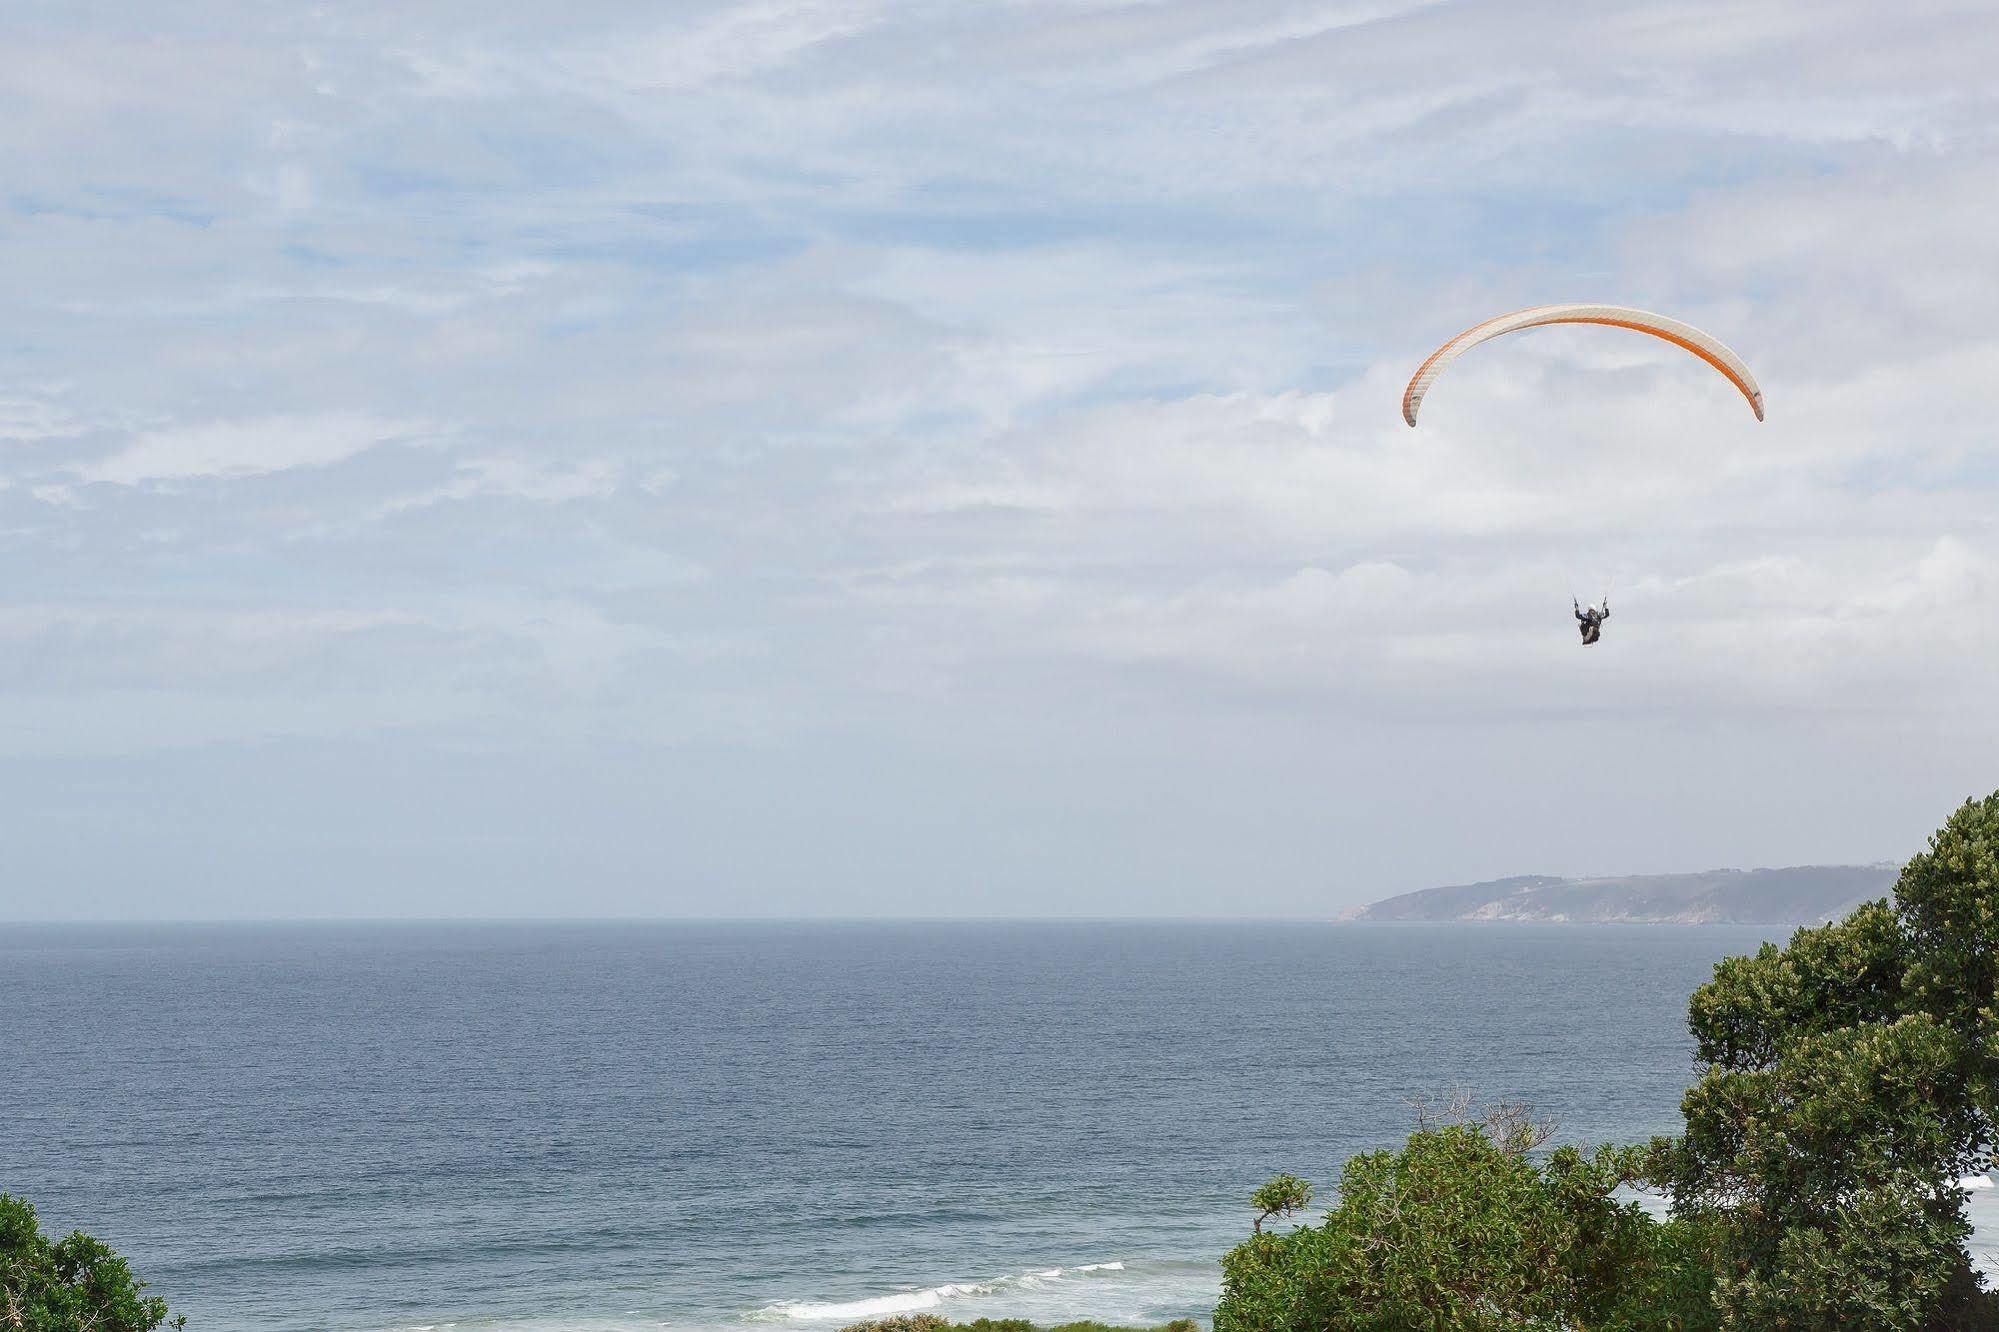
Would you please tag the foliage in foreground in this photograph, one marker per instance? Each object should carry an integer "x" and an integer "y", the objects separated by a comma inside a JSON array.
[
  {"x": 1285, "y": 1195},
  {"x": 1845, "y": 1082},
  {"x": 1461, "y": 1230},
  {"x": 69, "y": 1285}
]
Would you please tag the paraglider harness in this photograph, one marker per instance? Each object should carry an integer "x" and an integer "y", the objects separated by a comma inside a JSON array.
[{"x": 1591, "y": 620}]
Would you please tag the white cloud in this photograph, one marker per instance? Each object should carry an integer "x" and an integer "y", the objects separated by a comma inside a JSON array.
[
  {"x": 1008, "y": 378},
  {"x": 226, "y": 449},
  {"x": 519, "y": 478},
  {"x": 737, "y": 42},
  {"x": 31, "y": 419}
]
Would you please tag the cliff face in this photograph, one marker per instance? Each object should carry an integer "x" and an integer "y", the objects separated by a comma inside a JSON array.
[{"x": 1804, "y": 895}]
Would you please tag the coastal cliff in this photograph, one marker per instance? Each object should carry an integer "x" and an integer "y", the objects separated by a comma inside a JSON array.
[{"x": 1801, "y": 895}]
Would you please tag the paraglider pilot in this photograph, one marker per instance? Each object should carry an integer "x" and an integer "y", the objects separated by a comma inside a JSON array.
[{"x": 1590, "y": 621}]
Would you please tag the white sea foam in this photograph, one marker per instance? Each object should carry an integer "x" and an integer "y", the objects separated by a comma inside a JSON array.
[
  {"x": 584, "y": 1323},
  {"x": 916, "y": 1301},
  {"x": 879, "y": 1306},
  {"x": 1103, "y": 1290}
]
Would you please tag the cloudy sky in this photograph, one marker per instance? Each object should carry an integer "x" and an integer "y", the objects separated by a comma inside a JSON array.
[{"x": 845, "y": 457}]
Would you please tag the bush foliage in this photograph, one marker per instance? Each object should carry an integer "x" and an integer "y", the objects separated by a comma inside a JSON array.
[
  {"x": 69, "y": 1285},
  {"x": 1844, "y": 1083},
  {"x": 1461, "y": 1230}
]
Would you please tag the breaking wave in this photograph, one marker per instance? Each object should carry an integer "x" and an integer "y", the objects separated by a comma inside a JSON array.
[{"x": 916, "y": 1301}]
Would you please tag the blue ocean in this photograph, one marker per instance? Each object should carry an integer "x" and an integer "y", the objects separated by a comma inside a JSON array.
[{"x": 608, "y": 1126}]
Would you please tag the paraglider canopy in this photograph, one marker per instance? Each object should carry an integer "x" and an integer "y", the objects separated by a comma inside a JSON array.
[{"x": 1708, "y": 348}]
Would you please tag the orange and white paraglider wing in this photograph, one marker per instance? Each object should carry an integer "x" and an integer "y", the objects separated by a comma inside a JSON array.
[{"x": 1709, "y": 348}]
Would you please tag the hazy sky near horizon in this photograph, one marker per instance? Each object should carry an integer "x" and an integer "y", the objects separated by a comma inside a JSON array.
[{"x": 846, "y": 457}]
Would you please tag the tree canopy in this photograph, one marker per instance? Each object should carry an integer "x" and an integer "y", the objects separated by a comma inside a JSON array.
[
  {"x": 1844, "y": 1083},
  {"x": 70, "y": 1285},
  {"x": 1461, "y": 1230}
]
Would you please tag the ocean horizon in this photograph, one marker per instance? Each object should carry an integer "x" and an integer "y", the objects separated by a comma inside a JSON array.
[{"x": 608, "y": 1125}]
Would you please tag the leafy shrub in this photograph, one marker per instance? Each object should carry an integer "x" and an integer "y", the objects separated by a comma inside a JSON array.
[
  {"x": 1460, "y": 1230},
  {"x": 1845, "y": 1082},
  {"x": 70, "y": 1285}
]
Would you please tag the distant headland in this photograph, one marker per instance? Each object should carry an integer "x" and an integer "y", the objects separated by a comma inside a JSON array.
[{"x": 1801, "y": 895}]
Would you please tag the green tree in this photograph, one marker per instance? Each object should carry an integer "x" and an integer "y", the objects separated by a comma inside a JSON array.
[
  {"x": 70, "y": 1285},
  {"x": 1284, "y": 1195},
  {"x": 1846, "y": 1081},
  {"x": 1460, "y": 1231}
]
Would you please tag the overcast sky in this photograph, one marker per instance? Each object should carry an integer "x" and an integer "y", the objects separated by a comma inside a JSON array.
[{"x": 862, "y": 458}]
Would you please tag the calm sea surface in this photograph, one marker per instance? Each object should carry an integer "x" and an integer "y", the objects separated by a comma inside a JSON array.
[{"x": 609, "y": 1126}]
